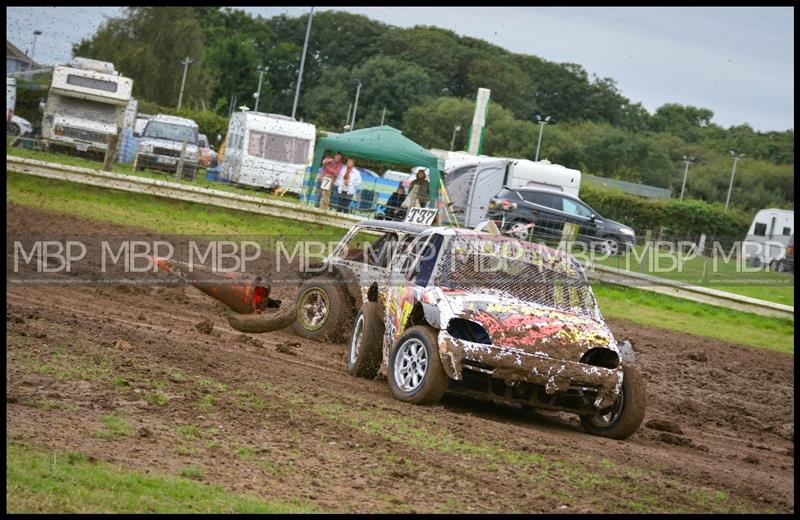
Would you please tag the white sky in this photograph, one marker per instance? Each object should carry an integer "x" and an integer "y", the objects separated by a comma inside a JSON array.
[{"x": 737, "y": 61}]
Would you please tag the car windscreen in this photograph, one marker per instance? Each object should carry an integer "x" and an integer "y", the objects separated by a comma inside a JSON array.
[
  {"x": 523, "y": 271},
  {"x": 171, "y": 132}
]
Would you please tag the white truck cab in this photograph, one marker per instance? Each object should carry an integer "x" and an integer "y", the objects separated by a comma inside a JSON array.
[{"x": 86, "y": 105}]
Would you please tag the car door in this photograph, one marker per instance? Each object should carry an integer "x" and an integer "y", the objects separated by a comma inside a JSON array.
[
  {"x": 576, "y": 212},
  {"x": 411, "y": 272},
  {"x": 544, "y": 211}
]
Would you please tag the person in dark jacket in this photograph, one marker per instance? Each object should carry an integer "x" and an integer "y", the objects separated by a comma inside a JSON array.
[{"x": 393, "y": 209}]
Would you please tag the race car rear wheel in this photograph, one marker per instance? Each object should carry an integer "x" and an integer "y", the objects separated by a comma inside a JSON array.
[
  {"x": 415, "y": 369},
  {"x": 322, "y": 310},
  {"x": 627, "y": 413},
  {"x": 366, "y": 343}
]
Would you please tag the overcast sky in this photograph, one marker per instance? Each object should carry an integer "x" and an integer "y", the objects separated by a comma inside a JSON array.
[{"x": 737, "y": 61}]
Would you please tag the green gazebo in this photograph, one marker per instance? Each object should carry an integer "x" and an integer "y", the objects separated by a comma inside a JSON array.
[{"x": 381, "y": 143}]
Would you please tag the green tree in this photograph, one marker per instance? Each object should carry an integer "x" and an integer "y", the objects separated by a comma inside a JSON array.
[{"x": 147, "y": 44}]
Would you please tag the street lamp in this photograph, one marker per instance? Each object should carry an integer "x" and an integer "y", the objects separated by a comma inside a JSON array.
[
  {"x": 185, "y": 62},
  {"x": 687, "y": 161},
  {"x": 33, "y": 47},
  {"x": 355, "y": 105},
  {"x": 302, "y": 64},
  {"x": 735, "y": 158},
  {"x": 261, "y": 71},
  {"x": 542, "y": 122},
  {"x": 456, "y": 129}
]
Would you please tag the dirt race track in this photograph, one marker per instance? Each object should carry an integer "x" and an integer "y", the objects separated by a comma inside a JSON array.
[{"x": 259, "y": 416}]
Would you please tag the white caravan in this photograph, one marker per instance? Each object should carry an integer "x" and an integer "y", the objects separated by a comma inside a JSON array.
[
  {"x": 87, "y": 104},
  {"x": 768, "y": 236},
  {"x": 521, "y": 172},
  {"x": 268, "y": 151}
]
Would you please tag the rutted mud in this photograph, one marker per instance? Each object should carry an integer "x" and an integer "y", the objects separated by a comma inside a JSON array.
[{"x": 278, "y": 416}]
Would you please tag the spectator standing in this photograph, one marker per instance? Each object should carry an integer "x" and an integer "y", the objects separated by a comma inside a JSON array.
[
  {"x": 423, "y": 189},
  {"x": 331, "y": 167},
  {"x": 347, "y": 185}
]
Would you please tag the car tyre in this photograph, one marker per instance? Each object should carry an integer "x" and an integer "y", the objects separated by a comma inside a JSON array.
[
  {"x": 366, "y": 342},
  {"x": 627, "y": 413},
  {"x": 13, "y": 130},
  {"x": 415, "y": 370},
  {"x": 321, "y": 310},
  {"x": 610, "y": 245}
]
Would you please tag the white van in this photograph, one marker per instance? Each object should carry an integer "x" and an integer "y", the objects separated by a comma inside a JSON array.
[
  {"x": 86, "y": 104},
  {"x": 522, "y": 172},
  {"x": 768, "y": 236},
  {"x": 268, "y": 151}
]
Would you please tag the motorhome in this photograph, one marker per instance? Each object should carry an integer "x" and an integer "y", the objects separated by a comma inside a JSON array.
[
  {"x": 268, "y": 151},
  {"x": 768, "y": 236},
  {"x": 86, "y": 105}
]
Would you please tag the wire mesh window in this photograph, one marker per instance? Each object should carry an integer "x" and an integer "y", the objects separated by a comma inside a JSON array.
[
  {"x": 279, "y": 148},
  {"x": 522, "y": 271}
]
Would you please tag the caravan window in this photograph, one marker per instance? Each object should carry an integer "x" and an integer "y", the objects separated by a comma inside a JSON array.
[
  {"x": 281, "y": 148},
  {"x": 787, "y": 231},
  {"x": 760, "y": 229}
]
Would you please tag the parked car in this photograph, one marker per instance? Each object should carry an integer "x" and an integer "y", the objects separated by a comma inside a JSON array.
[
  {"x": 785, "y": 263},
  {"x": 18, "y": 126},
  {"x": 208, "y": 157},
  {"x": 548, "y": 210},
  {"x": 466, "y": 313},
  {"x": 162, "y": 141}
]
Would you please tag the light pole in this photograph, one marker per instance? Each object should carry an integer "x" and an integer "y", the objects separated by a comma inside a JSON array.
[
  {"x": 261, "y": 71},
  {"x": 456, "y": 129},
  {"x": 687, "y": 161},
  {"x": 185, "y": 62},
  {"x": 735, "y": 158},
  {"x": 33, "y": 47},
  {"x": 542, "y": 122},
  {"x": 383, "y": 116},
  {"x": 302, "y": 64},
  {"x": 355, "y": 105}
]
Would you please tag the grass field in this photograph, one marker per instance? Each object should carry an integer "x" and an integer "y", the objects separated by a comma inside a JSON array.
[
  {"x": 167, "y": 216},
  {"x": 46, "y": 481},
  {"x": 127, "y": 169},
  {"x": 727, "y": 276}
]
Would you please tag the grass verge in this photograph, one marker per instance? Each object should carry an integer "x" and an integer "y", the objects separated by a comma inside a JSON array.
[
  {"x": 45, "y": 481},
  {"x": 668, "y": 312}
]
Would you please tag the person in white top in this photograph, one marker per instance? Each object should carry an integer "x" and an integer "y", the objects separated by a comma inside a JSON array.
[{"x": 346, "y": 185}]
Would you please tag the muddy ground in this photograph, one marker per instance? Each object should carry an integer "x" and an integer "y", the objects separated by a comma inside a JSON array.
[{"x": 278, "y": 417}]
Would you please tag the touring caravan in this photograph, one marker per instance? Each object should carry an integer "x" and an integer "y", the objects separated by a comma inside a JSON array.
[
  {"x": 268, "y": 151},
  {"x": 768, "y": 236},
  {"x": 521, "y": 172},
  {"x": 87, "y": 103}
]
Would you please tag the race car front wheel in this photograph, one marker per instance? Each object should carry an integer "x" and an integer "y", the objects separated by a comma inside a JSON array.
[
  {"x": 366, "y": 343},
  {"x": 627, "y": 412},
  {"x": 415, "y": 369}
]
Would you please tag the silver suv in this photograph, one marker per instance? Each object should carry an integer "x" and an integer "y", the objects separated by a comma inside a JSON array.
[{"x": 162, "y": 141}]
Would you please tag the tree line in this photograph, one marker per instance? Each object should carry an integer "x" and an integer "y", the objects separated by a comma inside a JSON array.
[{"x": 423, "y": 80}]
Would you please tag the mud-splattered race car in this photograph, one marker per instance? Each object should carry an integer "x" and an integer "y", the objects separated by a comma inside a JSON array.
[{"x": 496, "y": 318}]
